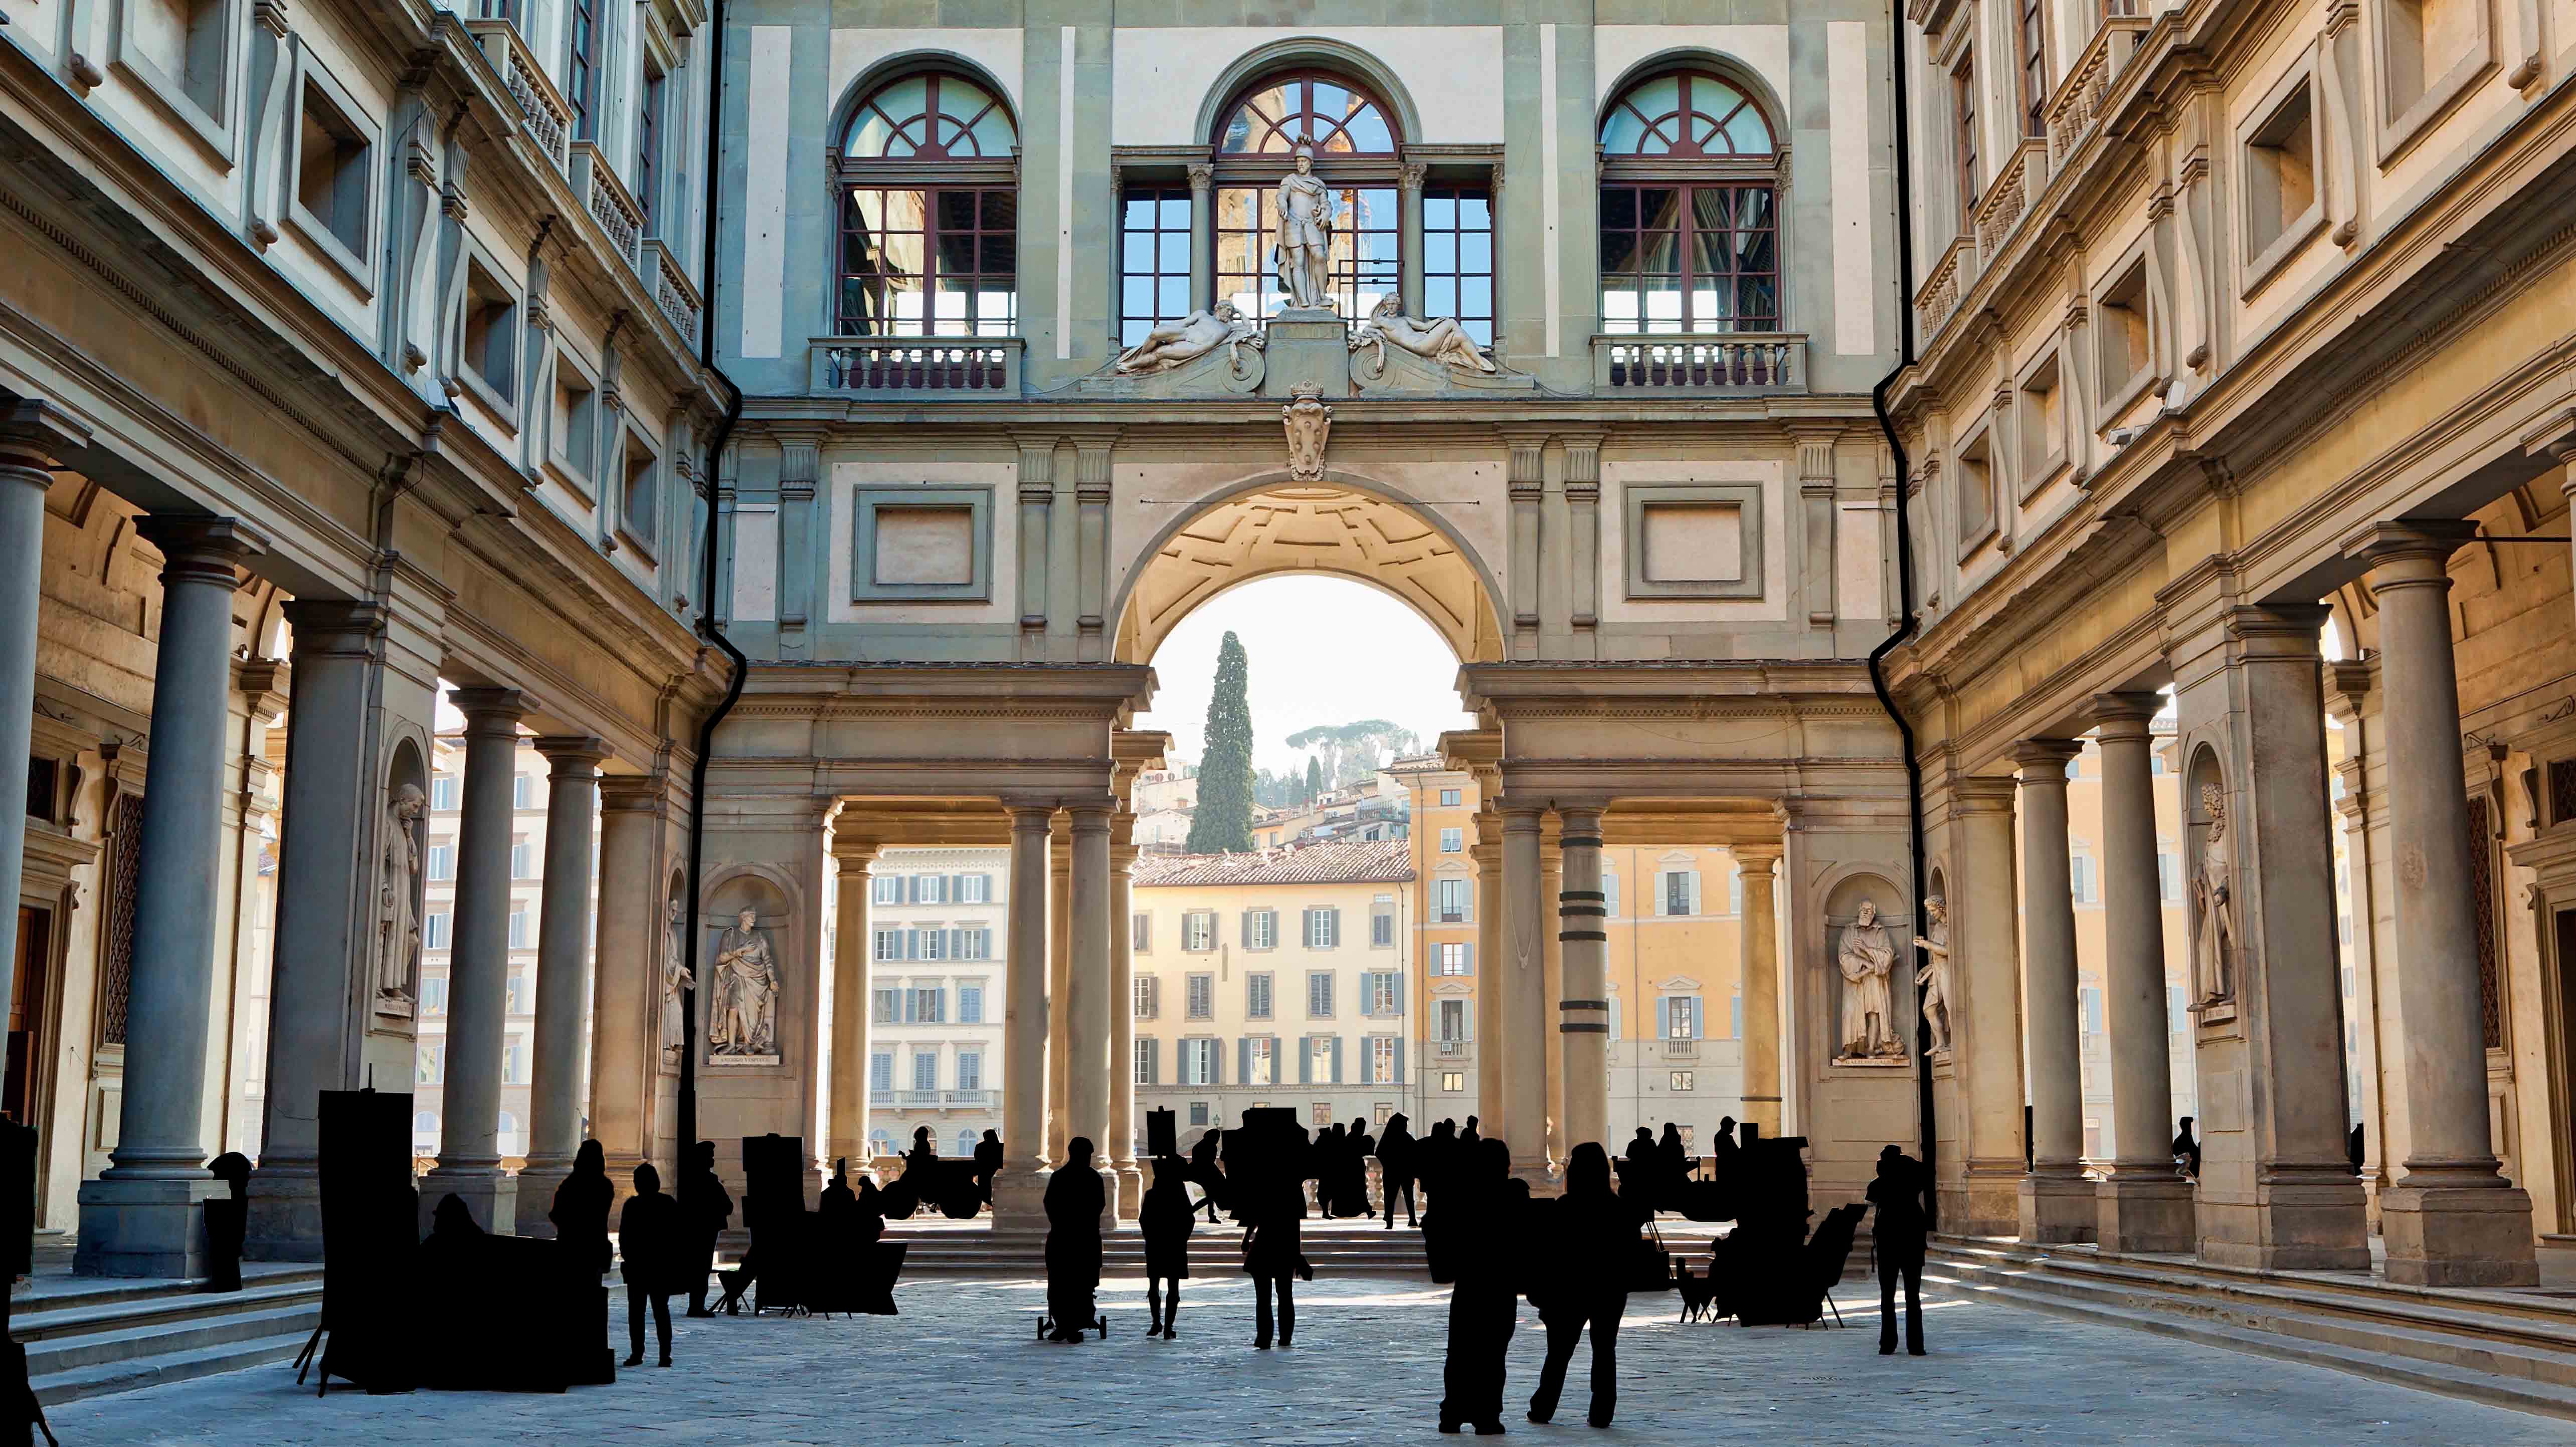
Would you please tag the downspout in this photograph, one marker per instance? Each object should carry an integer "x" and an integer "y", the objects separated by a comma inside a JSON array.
[
  {"x": 1929, "y": 1142},
  {"x": 707, "y": 626}
]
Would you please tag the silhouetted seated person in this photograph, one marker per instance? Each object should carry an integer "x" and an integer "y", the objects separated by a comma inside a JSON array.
[
  {"x": 1165, "y": 1218},
  {"x": 2186, "y": 1150},
  {"x": 652, "y": 1243},
  {"x": 953, "y": 1188},
  {"x": 1900, "y": 1224},
  {"x": 500, "y": 1312},
  {"x": 988, "y": 1164},
  {"x": 1471, "y": 1239},
  {"x": 1204, "y": 1172},
  {"x": 1591, "y": 1237},
  {"x": 1395, "y": 1165},
  {"x": 851, "y": 1268},
  {"x": 1073, "y": 1203},
  {"x": 227, "y": 1220},
  {"x": 705, "y": 1208}
]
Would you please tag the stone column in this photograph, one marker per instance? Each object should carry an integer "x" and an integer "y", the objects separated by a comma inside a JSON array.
[
  {"x": 1086, "y": 1001},
  {"x": 2452, "y": 1219},
  {"x": 1059, "y": 966},
  {"x": 635, "y": 936},
  {"x": 1122, "y": 1015},
  {"x": 1487, "y": 1033},
  {"x": 1408, "y": 207},
  {"x": 1585, "y": 1009},
  {"x": 1018, "y": 1191},
  {"x": 1551, "y": 985},
  {"x": 1202, "y": 237},
  {"x": 1985, "y": 1010},
  {"x": 2144, "y": 1204},
  {"x": 139, "y": 1217},
  {"x": 478, "y": 970},
  {"x": 853, "y": 997},
  {"x": 2351, "y": 690},
  {"x": 2057, "y": 1203},
  {"x": 328, "y": 839},
  {"x": 1759, "y": 950},
  {"x": 33, "y": 437},
  {"x": 557, "y": 1069},
  {"x": 1519, "y": 1113}
]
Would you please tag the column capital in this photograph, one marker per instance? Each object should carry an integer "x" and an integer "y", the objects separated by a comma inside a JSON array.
[
  {"x": 1983, "y": 794},
  {"x": 634, "y": 794},
  {"x": 200, "y": 545},
  {"x": 1755, "y": 859},
  {"x": 572, "y": 756},
  {"x": 2125, "y": 715},
  {"x": 1579, "y": 825},
  {"x": 2043, "y": 761},
  {"x": 36, "y": 436},
  {"x": 1520, "y": 818},
  {"x": 488, "y": 709},
  {"x": 2404, "y": 551},
  {"x": 327, "y": 624},
  {"x": 1088, "y": 818},
  {"x": 1028, "y": 814},
  {"x": 2295, "y": 631}
]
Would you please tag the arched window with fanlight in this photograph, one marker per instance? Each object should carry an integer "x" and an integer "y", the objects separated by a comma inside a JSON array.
[
  {"x": 927, "y": 169},
  {"x": 1689, "y": 208},
  {"x": 1358, "y": 157}
]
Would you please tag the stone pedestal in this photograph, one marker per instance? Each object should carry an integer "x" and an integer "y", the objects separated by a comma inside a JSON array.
[
  {"x": 145, "y": 1227},
  {"x": 2457, "y": 1235},
  {"x": 2144, "y": 1212},
  {"x": 1307, "y": 346},
  {"x": 2059, "y": 1206}
]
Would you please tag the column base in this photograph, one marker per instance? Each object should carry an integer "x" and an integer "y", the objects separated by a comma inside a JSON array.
[
  {"x": 489, "y": 1193},
  {"x": 2442, "y": 1235},
  {"x": 2141, "y": 1212},
  {"x": 2305, "y": 1222},
  {"x": 1984, "y": 1200},
  {"x": 537, "y": 1186},
  {"x": 285, "y": 1215},
  {"x": 144, "y": 1227},
  {"x": 2058, "y": 1208},
  {"x": 1019, "y": 1197},
  {"x": 1131, "y": 1189}
]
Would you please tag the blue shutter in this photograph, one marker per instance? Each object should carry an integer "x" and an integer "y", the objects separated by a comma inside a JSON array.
[
  {"x": 1663, "y": 1017},
  {"x": 1337, "y": 1060},
  {"x": 1243, "y": 1060},
  {"x": 1153, "y": 1071},
  {"x": 1399, "y": 1060},
  {"x": 1305, "y": 1062}
]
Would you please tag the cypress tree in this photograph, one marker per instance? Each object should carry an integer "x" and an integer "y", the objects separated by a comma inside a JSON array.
[
  {"x": 1223, "y": 821},
  {"x": 1314, "y": 779}
]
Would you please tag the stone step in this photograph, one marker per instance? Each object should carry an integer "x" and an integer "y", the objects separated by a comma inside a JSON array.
[
  {"x": 114, "y": 1344},
  {"x": 55, "y": 1320},
  {"x": 130, "y": 1373},
  {"x": 56, "y": 1292}
]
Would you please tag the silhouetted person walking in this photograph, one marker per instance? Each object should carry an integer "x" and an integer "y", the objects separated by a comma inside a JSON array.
[
  {"x": 2186, "y": 1150},
  {"x": 988, "y": 1164},
  {"x": 705, "y": 1208},
  {"x": 1900, "y": 1224},
  {"x": 580, "y": 1211},
  {"x": 654, "y": 1252},
  {"x": 1395, "y": 1166},
  {"x": 1165, "y": 1218},
  {"x": 1073, "y": 1203},
  {"x": 1274, "y": 1250},
  {"x": 1472, "y": 1216},
  {"x": 1203, "y": 1169},
  {"x": 1591, "y": 1233}
]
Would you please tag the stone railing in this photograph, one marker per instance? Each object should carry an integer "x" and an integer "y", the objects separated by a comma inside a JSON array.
[
  {"x": 1939, "y": 295},
  {"x": 2024, "y": 176},
  {"x": 2078, "y": 103},
  {"x": 1718, "y": 362},
  {"x": 605, "y": 197},
  {"x": 916, "y": 366},
  {"x": 1453, "y": 1047},
  {"x": 541, "y": 106},
  {"x": 1681, "y": 1049},
  {"x": 672, "y": 290}
]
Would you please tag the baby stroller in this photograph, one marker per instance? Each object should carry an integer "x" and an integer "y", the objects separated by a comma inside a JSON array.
[{"x": 1098, "y": 1323}]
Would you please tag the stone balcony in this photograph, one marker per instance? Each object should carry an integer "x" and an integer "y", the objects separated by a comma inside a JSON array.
[
  {"x": 913, "y": 368},
  {"x": 1712, "y": 364}
]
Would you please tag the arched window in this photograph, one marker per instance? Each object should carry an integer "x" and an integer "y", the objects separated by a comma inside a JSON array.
[
  {"x": 1357, "y": 157},
  {"x": 965, "y": 1142},
  {"x": 930, "y": 212},
  {"x": 1689, "y": 209}
]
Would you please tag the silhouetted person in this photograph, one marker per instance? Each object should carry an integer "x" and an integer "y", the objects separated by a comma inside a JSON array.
[
  {"x": 1473, "y": 1217},
  {"x": 1435, "y": 1160},
  {"x": 1395, "y": 1166},
  {"x": 988, "y": 1164},
  {"x": 1165, "y": 1218},
  {"x": 839, "y": 1205},
  {"x": 705, "y": 1208},
  {"x": 227, "y": 1220},
  {"x": 1361, "y": 1149},
  {"x": 652, "y": 1244},
  {"x": 1673, "y": 1158},
  {"x": 2186, "y": 1150},
  {"x": 1203, "y": 1169},
  {"x": 2353, "y": 1148},
  {"x": 1073, "y": 1203},
  {"x": 1900, "y": 1224},
  {"x": 1591, "y": 1232},
  {"x": 1641, "y": 1147},
  {"x": 1722, "y": 1150},
  {"x": 1467, "y": 1133},
  {"x": 580, "y": 1211},
  {"x": 18, "y": 1407},
  {"x": 1274, "y": 1251},
  {"x": 923, "y": 1147}
]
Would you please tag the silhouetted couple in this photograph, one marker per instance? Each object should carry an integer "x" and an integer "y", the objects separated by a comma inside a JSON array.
[{"x": 1901, "y": 1223}]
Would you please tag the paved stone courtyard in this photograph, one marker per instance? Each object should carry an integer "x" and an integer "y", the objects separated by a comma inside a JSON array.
[{"x": 959, "y": 1366}]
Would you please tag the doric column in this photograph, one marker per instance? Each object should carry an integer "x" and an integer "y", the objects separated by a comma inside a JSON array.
[
  {"x": 1086, "y": 1000},
  {"x": 139, "y": 1217},
  {"x": 853, "y": 998},
  {"x": 1122, "y": 1015},
  {"x": 1059, "y": 967},
  {"x": 2057, "y": 1203},
  {"x": 2144, "y": 1205},
  {"x": 1758, "y": 948},
  {"x": 1017, "y": 1193},
  {"x": 1408, "y": 208},
  {"x": 1584, "y": 1018},
  {"x": 478, "y": 970},
  {"x": 1551, "y": 983},
  {"x": 326, "y": 894},
  {"x": 563, "y": 977},
  {"x": 33, "y": 438},
  {"x": 1202, "y": 237},
  {"x": 2351, "y": 691},
  {"x": 1487, "y": 1034},
  {"x": 2452, "y": 1219},
  {"x": 1519, "y": 1113},
  {"x": 637, "y": 939},
  {"x": 1985, "y": 1015}
]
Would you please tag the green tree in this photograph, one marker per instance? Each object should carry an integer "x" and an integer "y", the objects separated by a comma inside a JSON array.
[
  {"x": 1314, "y": 779},
  {"x": 1223, "y": 821}
]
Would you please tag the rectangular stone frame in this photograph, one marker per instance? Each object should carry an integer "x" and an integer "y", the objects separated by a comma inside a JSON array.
[
  {"x": 1744, "y": 496},
  {"x": 865, "y": 500}
]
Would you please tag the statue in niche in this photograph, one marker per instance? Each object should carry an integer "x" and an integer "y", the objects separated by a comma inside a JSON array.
[
  {"x": 744, "y": 1019},
  {"x": 1934, "y": 977},
  {"x": 2213, "y": 898},
  {"x": 1869, "y": 1007},
  {"x": 1441, "y": 340},
  {"x": 1303, "y": 254},
  {"x": 675, "y": 978},
  {"x": 1309, "y": 423},
  {"x": 398, "y": 904},
  {"x": 1190, "y": 338}
]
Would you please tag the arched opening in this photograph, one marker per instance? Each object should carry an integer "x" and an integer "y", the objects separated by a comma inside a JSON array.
[
  {"x": 1353, "y": 142},
  {"x": 1690, "y": 205},
  {"x": 926, "y": 175}
]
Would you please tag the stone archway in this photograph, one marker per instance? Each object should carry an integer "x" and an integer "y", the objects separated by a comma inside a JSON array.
[{"x": 1334, "y": 527}]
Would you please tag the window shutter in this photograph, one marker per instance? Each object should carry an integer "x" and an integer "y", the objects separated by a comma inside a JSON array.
[
  {"x": 1247, "y": 929},
  {"x": 1471, "y": 956},
  {"x": 1305, "y": 1062},
  {"x": 1243, "y": 1060},
  {"x": 1397, "y": 1004},
  {"x": 1663, "y": 1016},
  {"x": 1337, "y": 1060},
  {"x": 1153, "y": 1066},
  {"x": 1399, "y": 1060},
  {"x": 1694, "y": 891}
]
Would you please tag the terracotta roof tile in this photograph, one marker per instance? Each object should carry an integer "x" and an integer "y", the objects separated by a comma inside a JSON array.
[{"x": 1355, "y": 861}]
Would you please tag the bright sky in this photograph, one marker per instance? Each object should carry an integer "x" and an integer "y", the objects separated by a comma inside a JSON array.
[{"x": 1322, "y": 651}]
